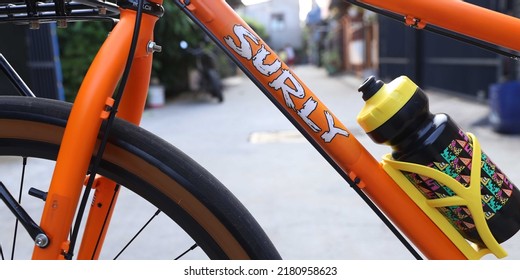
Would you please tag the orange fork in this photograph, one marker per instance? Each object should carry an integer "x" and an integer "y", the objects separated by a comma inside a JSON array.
[{"x": 83, "y": 126}]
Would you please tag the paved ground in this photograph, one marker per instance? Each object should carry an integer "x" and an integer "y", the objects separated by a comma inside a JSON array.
[{"x": 304, "y": 206}]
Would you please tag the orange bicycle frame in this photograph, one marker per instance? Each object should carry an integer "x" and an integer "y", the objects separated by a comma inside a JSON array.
[
  {"x": 460, "y": 17},
  {"x": 294, "y": 99}
]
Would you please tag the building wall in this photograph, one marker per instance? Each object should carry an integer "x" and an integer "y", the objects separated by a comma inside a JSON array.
[{"x": 281, "y": 20}]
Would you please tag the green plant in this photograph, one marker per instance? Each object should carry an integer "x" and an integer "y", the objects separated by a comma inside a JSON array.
[
  {"x": 331, "y": 60},
  {"x": 79, "y": 43},
  {"x": 173, "y": 28},
  {"x": 76, "y": 54}
]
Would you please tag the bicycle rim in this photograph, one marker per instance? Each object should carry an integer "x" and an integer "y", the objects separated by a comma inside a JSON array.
[{"x": 147, "y": 166}]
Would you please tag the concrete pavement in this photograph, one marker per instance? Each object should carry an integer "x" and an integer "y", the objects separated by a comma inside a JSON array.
[
  {"x": 303, "y": 204},
  {"x": 305, "y": 207}
]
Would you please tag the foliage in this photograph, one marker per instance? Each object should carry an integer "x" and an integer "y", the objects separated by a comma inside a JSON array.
[
  {"x": 79, "y": 43},
  {"x": 331, "y": 57},
  {"x": 171, "y": 65},
  {"x": 331, "y": 60}
]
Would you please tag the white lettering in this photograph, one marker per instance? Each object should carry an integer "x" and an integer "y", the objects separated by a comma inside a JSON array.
[
  {"x": 309, "y": 107},
  {"x": 265, "y": 69},
  {"x": 287, "y": 91},
  {"x": 244, "y": 50},
  {"x": 333, "y": 131},
  {"x": 285, "y": 82}
]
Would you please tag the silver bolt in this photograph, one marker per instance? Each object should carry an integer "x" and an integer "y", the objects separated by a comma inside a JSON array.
[
  {"x": 152, "y": 47},
  {"x": 41, "y": 240}
]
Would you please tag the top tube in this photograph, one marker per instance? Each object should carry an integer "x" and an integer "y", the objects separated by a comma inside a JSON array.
[{"x": 458, "y": 16}]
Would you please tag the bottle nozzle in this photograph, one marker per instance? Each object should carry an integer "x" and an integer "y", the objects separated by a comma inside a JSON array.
[{"x": 370, "y": 87}]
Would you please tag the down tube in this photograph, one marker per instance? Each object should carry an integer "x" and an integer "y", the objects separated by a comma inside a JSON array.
[{"x": 302, "y": 107}]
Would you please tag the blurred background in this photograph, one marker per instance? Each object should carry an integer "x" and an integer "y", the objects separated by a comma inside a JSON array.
[
  {"x": 326, "y": 33},
  {"x": 344, "y": 43}
]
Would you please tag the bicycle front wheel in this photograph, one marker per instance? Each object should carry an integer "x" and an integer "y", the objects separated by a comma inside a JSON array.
[{"x": 187, "y": 196}]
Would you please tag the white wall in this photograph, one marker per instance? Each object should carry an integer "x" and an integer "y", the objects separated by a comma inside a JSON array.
[{"x": 279, "y": 35}]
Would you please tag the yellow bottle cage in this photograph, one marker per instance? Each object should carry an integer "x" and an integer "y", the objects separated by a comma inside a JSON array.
[{"x": 464, "y": 196}]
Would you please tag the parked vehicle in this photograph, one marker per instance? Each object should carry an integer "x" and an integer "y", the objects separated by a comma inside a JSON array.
[{"x": 206, "y": 76}]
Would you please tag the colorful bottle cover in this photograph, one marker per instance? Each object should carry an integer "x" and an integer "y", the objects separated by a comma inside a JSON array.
[{"x": 397, "y": 114}]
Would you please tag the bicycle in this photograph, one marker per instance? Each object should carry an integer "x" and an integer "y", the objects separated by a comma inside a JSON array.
[{"x": 125, "y": 155}]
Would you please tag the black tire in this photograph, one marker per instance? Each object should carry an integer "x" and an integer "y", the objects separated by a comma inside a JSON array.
[{"x": 167, "y": 178}]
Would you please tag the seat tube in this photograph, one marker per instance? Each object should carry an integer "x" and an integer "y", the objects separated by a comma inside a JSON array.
[{"x": 80, "y": 137}]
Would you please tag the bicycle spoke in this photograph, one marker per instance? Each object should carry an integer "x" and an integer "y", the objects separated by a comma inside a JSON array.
[
  {"x": 139, "y": 232},
  {"x": 187, "y": 251},
  {"x": 141, "y": 168},
  {"x": 20, "y": 190},
  {"x": 14, "y": 239}
]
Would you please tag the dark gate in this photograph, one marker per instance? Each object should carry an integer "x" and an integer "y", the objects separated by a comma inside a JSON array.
[
  {"x": 34, "y": 55},
  {"x": 437, "y": 62},
  {"x": 43, "y": 62}
]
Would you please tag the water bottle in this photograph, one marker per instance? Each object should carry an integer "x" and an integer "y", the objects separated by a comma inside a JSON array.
[{"x": 397, "y": 114}]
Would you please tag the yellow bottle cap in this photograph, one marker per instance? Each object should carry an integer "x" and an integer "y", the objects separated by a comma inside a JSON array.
[{"x": 385, "y": 103}]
